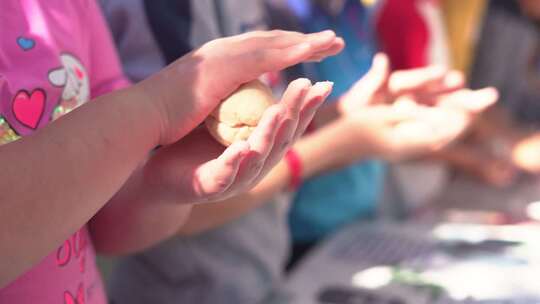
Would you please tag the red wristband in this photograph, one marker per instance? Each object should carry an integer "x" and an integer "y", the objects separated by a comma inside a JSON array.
[{"x": 295, "y": 169}]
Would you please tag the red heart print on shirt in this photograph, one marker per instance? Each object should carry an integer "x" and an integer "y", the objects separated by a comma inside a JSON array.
[
  {"x": 79, "y": 73},
  {"x": 29, "y": 108},
  {"x": 78, "y": 299}
]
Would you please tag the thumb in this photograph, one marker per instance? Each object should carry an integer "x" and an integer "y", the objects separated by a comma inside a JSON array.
[
  {"x": 216, "y": 176},
  {"x": 366, "y": 89}
]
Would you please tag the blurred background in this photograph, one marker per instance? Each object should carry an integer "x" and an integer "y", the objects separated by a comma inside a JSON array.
[{"x": 459, "y": 226}]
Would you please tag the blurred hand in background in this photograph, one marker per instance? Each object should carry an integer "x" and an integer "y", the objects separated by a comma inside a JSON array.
[{"x": 410, "y": 113}]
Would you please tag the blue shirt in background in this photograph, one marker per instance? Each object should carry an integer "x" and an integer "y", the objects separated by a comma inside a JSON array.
[{"x": 325, "y": 203}]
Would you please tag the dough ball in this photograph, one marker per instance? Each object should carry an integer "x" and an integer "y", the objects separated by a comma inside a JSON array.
[{"x": 238, "y": 115}]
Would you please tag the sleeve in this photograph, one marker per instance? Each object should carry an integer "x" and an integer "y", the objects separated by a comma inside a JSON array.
[
  {"x": 403, "y": 34},
  {"x": 106, "y": 74}
]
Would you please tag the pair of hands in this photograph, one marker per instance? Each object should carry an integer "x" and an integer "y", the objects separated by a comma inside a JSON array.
[
  {"x": 409, "y": 113},
  {"x": 193, "y": 167}
]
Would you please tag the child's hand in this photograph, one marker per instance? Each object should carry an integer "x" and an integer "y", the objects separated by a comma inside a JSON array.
[
  {"x": 396, "y": 132},
  {"x": 189, "y": 89},
  {"x": 381, "y": 86},
  {"x": 198, "y": 169},
  {"x": 413, "y": 112}
]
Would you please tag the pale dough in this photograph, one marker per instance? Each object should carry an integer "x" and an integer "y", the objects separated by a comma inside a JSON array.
[{"x": 238, "y": 115}]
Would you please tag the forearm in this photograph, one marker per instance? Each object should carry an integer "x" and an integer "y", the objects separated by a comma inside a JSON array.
[
  {"x": 136, "y": 218},
  {"x": 330, "y": 148},
  {"x": 57, "y": 179}
]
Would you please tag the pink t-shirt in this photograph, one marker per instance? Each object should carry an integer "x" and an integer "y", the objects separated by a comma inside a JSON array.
[{"x": 54, "y": 56}]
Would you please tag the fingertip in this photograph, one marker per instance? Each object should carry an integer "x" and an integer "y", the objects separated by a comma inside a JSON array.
[
  {"x": 322, "y": 39},
  {"x": 380, "y": 65},
  {"x": 325, "y": 84},
  {"x": 380, "y": 58},
  {"x": 475, "y": 101},
  {"x": 318, "y": 94},
  {"x": 492, "y": 91},
  {"x": 323, "y": 88},
  {"x": 489, "y": 93},
  {"x": 295, "y": 94},
  {"x": 300, "y": 83},
  {"x": 490, "y": 97},
  {"x": 438, "y": 70},
  {"x": 454, "y": 79},
  {"x": 339, "y": 45},
  {"x": 327, "y": 33}
]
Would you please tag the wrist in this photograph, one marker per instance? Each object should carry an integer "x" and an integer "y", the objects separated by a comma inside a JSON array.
[
  {"x": 154, "y": 108},
  {"x": 315, "y": 151},
  {"x": 295, "y": 166},
  {"x": 349, "y": 142},
  {"x": 170, "y": 97},
  {"x": 366, "y": 141},
  {"x": 131, "y": 106}
]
